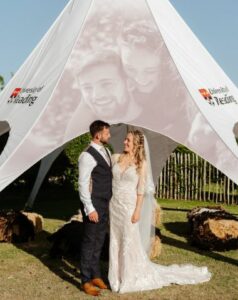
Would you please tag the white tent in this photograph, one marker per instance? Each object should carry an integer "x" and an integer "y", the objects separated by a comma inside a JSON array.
[{"x": 131, "y": 62}]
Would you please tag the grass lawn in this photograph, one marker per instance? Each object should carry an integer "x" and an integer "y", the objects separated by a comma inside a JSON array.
[{"x": 27, "y": 272}]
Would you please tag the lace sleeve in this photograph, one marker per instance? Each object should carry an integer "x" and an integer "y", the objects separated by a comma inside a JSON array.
[{"x": 142, "y": 180}]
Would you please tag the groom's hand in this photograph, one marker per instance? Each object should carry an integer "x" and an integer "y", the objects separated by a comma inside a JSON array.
[{"x": 93, "y": 217}]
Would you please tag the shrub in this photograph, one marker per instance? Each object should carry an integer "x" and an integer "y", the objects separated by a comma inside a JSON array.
[{"x": 72, "y": 152}]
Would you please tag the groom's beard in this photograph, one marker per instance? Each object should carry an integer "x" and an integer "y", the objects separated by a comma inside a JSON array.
[{"x": 104, "y": 143}]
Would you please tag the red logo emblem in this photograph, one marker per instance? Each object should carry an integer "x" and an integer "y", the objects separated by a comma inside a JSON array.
[
  {"x": 15, "y": 92},
  {"x": 206, "y": 95}
]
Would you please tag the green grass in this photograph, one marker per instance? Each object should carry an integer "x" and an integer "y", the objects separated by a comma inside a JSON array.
[
  {"x": 27, "y": 272},
  {"x": 218, "y": 188}
]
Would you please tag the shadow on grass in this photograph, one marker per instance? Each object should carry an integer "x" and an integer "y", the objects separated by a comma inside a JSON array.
[
  {"x": 178, "y": 228},
  {"x": 175, "y": 209},
  {"x": 182, "y": 229},
  {"x": 65, "y": 268}
]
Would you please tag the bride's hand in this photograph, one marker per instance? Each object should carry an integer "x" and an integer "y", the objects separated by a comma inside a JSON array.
[{"x": 135, "y": 217}]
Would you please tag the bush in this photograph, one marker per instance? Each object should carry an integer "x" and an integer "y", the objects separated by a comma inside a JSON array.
[
  {"x": 72, "y": 152},
  {"x": 182, "y": 149}
]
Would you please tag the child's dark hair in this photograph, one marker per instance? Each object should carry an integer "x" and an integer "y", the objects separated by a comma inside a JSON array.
[{"x": 97, "y": 126}]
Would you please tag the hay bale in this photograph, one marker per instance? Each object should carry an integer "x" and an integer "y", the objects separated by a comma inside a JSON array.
[
  {"x": 213, "y": 228},
  {"x": 222, "y": 229},
  {"x": 4, "y": 233},
  {"x": 78, "y": 217},
  {"x": 15, "y": 227},
  {"x": 158, "y": 216},
  {"x": 36, "y": 219},
  {"x": 156, "y": 246}
]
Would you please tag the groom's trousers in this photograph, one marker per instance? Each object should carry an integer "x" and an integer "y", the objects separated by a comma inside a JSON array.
[{"x": 92, "y": 242}]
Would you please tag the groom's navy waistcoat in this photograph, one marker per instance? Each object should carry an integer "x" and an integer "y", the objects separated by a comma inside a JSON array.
[{"x": 101, "y": 177}]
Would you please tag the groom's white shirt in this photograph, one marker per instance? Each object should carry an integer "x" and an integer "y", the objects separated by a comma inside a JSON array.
[{"x": 86, "y": 165}]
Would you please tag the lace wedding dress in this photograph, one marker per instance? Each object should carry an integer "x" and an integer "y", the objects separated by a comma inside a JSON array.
[{"x": 129, "y": 266}]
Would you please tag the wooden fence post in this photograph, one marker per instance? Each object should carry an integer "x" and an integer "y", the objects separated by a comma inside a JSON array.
[{"x": 187, "y": 176}]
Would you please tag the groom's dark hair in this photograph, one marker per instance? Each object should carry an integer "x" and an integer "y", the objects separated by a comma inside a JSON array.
[{"x": 97, "y": 126}]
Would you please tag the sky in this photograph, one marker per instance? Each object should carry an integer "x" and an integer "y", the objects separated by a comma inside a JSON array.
[{"x": 23, "y": 23}]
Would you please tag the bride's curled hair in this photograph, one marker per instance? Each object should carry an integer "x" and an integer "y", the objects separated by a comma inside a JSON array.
[{"x": 139, "y": 148}]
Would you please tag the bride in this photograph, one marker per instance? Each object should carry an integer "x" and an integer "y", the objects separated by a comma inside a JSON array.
[{"x": 130, "y": 268}]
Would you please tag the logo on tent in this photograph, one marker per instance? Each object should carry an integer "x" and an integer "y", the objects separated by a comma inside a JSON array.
[
  {"x": 218, "y": 96},
  {"x": 15, "y": 92},
  {"x": 206, "y": 95},
  {"x": 25, "y": 95}
]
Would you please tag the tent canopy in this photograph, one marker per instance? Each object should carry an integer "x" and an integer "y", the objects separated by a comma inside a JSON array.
[{"x": 131, "y": 62}]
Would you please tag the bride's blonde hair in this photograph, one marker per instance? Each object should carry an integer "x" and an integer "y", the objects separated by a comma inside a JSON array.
[{"x": 139, "y": 149}]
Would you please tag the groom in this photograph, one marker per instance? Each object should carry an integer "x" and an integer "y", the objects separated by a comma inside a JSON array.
[{"x": 95, "y": 190}]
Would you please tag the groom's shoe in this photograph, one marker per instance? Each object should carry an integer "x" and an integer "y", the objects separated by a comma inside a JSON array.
[
  {"x": 99, "y": 283},
  {"x": 90, "y": 289}
]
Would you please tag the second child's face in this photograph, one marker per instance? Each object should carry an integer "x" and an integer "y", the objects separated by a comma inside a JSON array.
[
  {"x": 128, "y": 143},
  {"x": 141, "y": 67}
]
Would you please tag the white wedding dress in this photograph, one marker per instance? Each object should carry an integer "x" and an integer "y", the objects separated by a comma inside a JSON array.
[{"x": 129, "y": 266}]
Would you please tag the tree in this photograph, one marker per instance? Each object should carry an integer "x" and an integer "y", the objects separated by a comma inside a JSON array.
[{"x": 1, "y": 83}]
